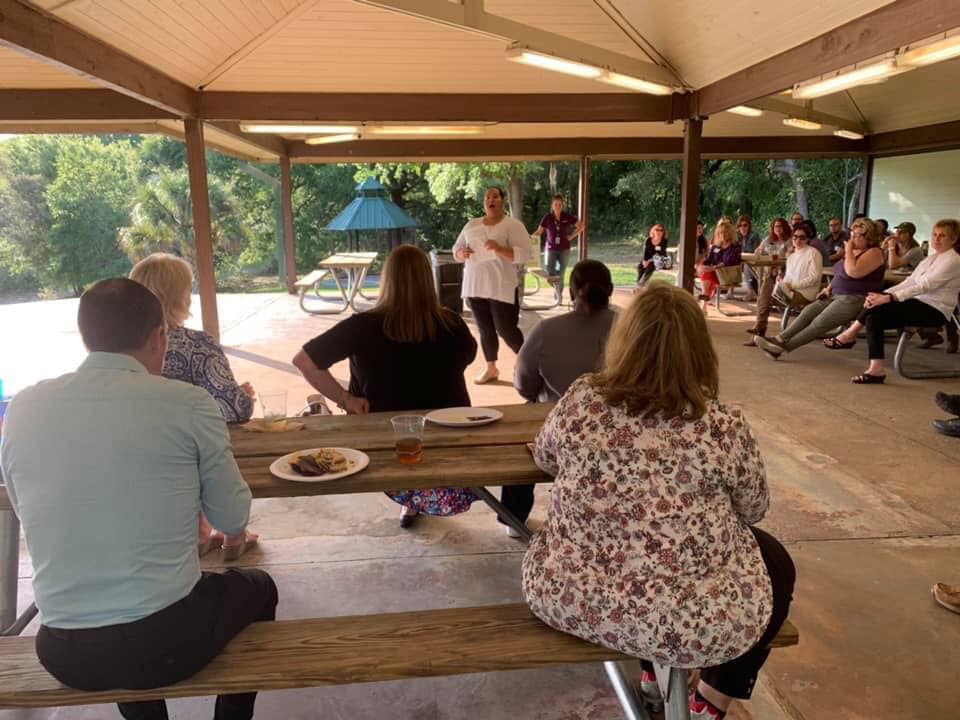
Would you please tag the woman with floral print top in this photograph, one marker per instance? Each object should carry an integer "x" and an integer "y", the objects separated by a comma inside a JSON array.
[{"x": 649, "y": 546}]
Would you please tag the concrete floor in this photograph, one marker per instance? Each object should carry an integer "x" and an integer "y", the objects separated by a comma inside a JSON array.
[{"x": 862, "y": 493}]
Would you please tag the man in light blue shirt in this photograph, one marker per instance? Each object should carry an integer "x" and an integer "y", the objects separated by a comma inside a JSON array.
[{"x": 108, "y": 469}]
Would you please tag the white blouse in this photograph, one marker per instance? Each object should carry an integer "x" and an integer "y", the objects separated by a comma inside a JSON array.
[
  {"x": 494, "y": 279},
  {"x": 936, "y": 282},
  {"x": 804, "y": 271}
]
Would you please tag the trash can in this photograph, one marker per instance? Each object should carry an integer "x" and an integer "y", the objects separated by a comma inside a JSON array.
[{"x": 448, "y": 279}]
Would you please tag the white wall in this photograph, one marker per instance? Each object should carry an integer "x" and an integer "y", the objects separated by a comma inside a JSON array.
[{"x": 919, "y": 188}]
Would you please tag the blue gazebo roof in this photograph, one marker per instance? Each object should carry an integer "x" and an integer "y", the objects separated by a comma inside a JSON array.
[{"x": 371, "y": 210}]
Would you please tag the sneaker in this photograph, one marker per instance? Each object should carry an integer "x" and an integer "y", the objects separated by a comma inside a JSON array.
[
  {"x": 947, "y": 595},
  {"x": 771, "y": 347},
  {"x": 701, "y": 709},
  {"x": 948, "y": 403},
  {"x": 486, "y": 376},
  {"x": 512, "y": 533},
  {"x": 650, "y": 690}
]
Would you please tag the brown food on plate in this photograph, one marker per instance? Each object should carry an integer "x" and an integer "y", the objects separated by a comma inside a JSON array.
[
  {"x": 324, "y": 462},
  {"x": 474, "y": 418}
]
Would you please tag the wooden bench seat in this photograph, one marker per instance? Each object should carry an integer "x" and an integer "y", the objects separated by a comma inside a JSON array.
[
  {"x": 308, "y": 281},
  {"x": 338, "y": 651}
]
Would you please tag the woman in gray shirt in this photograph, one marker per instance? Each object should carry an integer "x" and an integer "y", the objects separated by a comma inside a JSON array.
[{"x": 561, "y": 349}]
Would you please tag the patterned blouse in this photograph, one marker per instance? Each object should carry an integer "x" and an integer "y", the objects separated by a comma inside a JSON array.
[
  {"x": 194, "y": 357},
  {"x": 646, "y": 548}
]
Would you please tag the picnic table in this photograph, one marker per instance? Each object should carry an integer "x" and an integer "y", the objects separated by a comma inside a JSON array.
[
  {"x": 762, "y": 265},
  {"x": 475, "y": 457},
  {"x": 354, "y": 265}
]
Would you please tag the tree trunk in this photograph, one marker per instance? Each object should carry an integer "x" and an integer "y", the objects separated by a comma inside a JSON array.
[
  {"x": 791, "y": 169},
  {"x": 515, "y": 194},
  {"x": 552, "y": 174}
]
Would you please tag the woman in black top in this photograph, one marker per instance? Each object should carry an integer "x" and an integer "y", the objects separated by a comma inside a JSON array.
[
  {"x": 655, "y": 256},
  {"x": 408, "y": 353}
]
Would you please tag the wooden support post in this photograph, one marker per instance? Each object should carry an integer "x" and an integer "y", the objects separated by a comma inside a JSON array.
[
  {"x": 289, "y": 244},
  {"x": 866, "y": 184},
  {"x": 583, "y": 205},
  {"x": 203, "y": 242},
  {"x": 690, "y": 207}
]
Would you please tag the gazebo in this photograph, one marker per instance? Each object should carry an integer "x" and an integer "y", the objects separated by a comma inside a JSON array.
[{"x": 371, "y": 209}]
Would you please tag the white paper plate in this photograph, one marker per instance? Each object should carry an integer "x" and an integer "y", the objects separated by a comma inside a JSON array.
[
  {"x": 460, "y": 416},
  {"x": 281, "y": 466}
]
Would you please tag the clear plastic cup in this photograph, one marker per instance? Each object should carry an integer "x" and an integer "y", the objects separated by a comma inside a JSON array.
[
  {"x": 274, "y": 406},
  {"x": 408, "y": 436}
]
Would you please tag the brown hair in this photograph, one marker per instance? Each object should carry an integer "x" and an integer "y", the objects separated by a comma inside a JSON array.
[
  {"x": 871, "y": 232},
  {"x": 659, "y": 357},
  {"x": 951, "y": 225},
  {"x": 408, "y": 301},
  {"x": 558, "y": 196},
  {"x": 170, "y": 279},
  {"x": 746, "y": 219},
  {"x": 117, "y": 315},
  {"x": 773, "y": 237}
]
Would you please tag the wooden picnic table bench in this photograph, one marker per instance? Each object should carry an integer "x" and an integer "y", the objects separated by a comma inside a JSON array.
[{"x": 354, "y": 265}]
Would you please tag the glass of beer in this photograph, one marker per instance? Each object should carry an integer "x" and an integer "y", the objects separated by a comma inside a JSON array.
[
  {"x": 274, "y": 409},
  {"x": 408, "y": 436}
]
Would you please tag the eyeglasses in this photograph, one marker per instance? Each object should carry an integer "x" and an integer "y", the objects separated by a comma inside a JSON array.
[{"x": 799, "y": 236}]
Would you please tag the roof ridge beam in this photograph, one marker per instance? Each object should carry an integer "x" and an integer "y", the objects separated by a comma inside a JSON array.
[
  {"x": 43, "y": 36},
  {"x": 887, "y": 28},
  {"x": 469, "y": 16}
]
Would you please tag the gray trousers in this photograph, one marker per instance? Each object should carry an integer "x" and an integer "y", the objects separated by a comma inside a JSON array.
[{"x": 820, "y": 317}]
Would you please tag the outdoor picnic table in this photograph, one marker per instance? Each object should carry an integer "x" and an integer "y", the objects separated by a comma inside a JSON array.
[
  {"x": 762, "y": 265},
  {"x": 474, "y": 457},
  {"x": 354, "y": 265}
]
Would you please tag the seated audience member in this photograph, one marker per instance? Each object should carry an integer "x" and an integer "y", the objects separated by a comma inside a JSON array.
[
  {"x": 702, "y": 245},
  {"x": 926, "y": 298},
  {"x": 796, "y": 218},
  {"x": 407, "y": 353},
  {"x": 813, "y": 238},
  {"x": 903, "y": 251},
  {"x": 724, "y": 252},
  {"x": 658, "y": 488},
  {"x": 559, "y": 350},
  {"x": 195, "y": 357},
  {"x": 883, "y": 228},
  {"x": 748, "y": 242},
  {"x": 779, "y": 242},
  {"x": 858, "y": 273},
  {"x": 112, "y": 532},
  {"x": 800, "y": 282},
  {"x": 655, "y": 255},
  {"x": 833, "y": 242}
]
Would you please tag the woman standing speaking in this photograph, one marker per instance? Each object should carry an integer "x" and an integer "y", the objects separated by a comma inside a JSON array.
[{"x": 491, "y": 247}]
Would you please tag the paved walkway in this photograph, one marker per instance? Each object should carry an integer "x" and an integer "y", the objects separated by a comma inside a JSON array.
[{"x": 863, "y": 492}]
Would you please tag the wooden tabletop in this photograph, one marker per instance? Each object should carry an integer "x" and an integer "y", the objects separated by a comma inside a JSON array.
[
  {"x": 348, "y": 260},
  {"x": 519, "y": 425},
  {"x": 762, "y": 260}
]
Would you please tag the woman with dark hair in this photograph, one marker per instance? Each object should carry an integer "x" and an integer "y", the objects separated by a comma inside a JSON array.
[
  {"x": 407, "y": 353},
  {"x": 650, "y": 546},
  {"x": 655, "y": 255},
  {"x": 491, "y": 247},
  {"x": 558, "y": 351}
]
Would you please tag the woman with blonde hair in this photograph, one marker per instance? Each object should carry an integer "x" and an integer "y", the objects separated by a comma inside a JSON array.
[
  {"x": 407, "y": 353},
  {"x": 196, "y": 358},
  {"x": 649, "y": 545},
  {"x": 655, "y": 255},
  {"x": 724, "y": 252}
]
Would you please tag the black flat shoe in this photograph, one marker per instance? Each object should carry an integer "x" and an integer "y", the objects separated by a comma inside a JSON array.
[
  {"x": 948, "y": 427},
  {"x": 407, "y": 520},
  {"x": 868, "y": 379}
]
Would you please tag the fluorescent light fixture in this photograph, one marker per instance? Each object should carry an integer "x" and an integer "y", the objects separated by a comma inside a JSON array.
[
  {"x": 802, "y": 124},
  {"x": 327, "y": 139},
  {"x": 545, "y": 61},
  {"x": 745, "y": 111},
  {"x": 845, "y": 80},
  {"x": 848, "y": 134},
  {"x": 935, "y": 52},
  {"x": 299, "y": 129},
  {"x": 634, "y": 83},
  {"x": 396, "y": 130}
]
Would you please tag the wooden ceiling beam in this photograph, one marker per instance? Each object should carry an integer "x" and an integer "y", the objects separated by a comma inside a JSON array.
[
  {"x": 42, "y": 36},
  {"x": 888, "y": 28},
  {"x": 63, "y": 105},
  {"x": 789, "y": 109},
  {"x": 440, "y": 107},
  {"x": 571, "y": 148},
  {"x": 942, "y": 136}
]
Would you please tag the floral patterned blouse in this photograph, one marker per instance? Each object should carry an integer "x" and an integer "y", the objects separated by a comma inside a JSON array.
[
  {"x": 646, "y": 548},
  {"x": 196, "y": 358}
]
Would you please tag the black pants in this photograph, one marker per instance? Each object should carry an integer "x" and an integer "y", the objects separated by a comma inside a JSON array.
[
  {"x": 896, "y": 315},
  {"x": 737, "y": 677},
  {"x": 497, "y": 318},
  {"x": 644, "y": 274},
  {"x": 518, "y": 499},
  {"x": 166, "y": 647}
]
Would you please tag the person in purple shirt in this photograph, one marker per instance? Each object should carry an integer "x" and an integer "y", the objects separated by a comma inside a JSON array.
[
  {"x": 561, "y": 228},
  {"x": 724, "y": 252}
]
